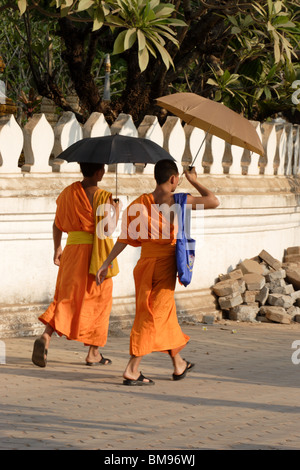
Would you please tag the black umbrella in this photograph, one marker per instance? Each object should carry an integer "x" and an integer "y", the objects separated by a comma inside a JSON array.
[
  {"x": 116, "y": 148},
  {"x": 113, "y": 149}
]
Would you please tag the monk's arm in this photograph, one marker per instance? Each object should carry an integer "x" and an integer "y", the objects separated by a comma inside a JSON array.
[
  {"x": 207, "y": 200},
  {"x": 102, "y": 272},
  {"x": 57, "y": 234}
]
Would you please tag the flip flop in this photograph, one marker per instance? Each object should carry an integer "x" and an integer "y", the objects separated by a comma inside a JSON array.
[
  {"x": 103, "y": 361},
  {"x": 39, "y": 354},
  {"x": 138, "y": 382},
  {"x": 189, "y": 366}
]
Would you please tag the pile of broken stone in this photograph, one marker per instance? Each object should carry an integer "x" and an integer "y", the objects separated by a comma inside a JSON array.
[{"x": 262, "y": 289}]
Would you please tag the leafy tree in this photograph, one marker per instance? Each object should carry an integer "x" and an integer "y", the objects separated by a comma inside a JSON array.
[
  {"x": 245, "y": 54},
  {"x": 263, "y": 62},
  {"x": 140, "y": 25}
]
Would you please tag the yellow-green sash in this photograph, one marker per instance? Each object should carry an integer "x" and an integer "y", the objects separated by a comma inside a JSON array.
[
  {"x": 80, "y": 238},
  {"x": 101, "y": 246}
]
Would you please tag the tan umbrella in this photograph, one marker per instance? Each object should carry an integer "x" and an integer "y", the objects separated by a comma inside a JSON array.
[{"x": 214, "y": 118}]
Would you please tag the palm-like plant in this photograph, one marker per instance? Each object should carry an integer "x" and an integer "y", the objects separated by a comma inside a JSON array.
[
  {"x": 148, "y": 23},
  {"x": 261, "y": 68}
]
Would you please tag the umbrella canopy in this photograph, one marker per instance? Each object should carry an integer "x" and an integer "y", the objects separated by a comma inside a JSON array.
[
  {"x": 115, "y": 149},
  {"x": 214, "y": 118}
]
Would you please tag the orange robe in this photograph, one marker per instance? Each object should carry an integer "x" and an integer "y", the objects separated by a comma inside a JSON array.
[
  {"x": 80, "y": 309},
  {"x": 156, "y": 326}
]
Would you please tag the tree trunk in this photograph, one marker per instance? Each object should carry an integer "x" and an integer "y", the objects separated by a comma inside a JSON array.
[
  {"x": 79, "y": 59},
  {"x": 138, "y": 98}
]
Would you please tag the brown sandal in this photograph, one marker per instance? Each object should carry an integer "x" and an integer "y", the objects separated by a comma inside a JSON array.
[{"x": 39, "y": 354}]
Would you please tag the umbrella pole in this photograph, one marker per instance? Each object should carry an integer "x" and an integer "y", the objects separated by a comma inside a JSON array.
[
  {"x": 192, "y": 164},
  {"x": 116, "y": 181}
]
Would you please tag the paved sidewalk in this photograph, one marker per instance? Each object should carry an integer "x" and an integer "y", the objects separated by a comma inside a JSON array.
[{"x": 242, "y": 394}]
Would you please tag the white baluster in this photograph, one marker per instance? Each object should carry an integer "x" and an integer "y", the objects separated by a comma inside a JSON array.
[
  {"x": 124, "y": 125},
  {"x": 11, "y": 144},
  {"x": 289, "y": 149},
  {"x": 66, "y": 132},
  {"x": 281, "y": 149},
  {"x": 236, "y": 166},
  {"x": 296, "y": 150},
  {"x": 174, "y": 139},
  {"x": 217, "y": 150},
  {"x": 96, "y": 126},
  {"x": 253, "y": 168},
  {"x": 270, "y": 144},
  {"x": 151, "y": 129},
  {"x": 38, "y": 144},
  {"x": 195, "y": 147}
]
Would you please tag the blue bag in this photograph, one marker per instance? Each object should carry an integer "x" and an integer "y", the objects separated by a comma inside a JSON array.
[{"x": 185, "y": 246}]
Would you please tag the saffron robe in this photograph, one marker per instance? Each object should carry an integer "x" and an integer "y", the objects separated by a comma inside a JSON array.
[
  {"x": 80, "y": 309},
  {"x": 155, "y": 326}
]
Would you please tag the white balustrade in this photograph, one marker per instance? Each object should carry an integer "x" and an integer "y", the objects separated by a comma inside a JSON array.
[{"x": 40, "y": 141}]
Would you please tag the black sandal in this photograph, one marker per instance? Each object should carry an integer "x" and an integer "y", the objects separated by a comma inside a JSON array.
[
  {"x": 189, "y": 366},
  {"x": 138, "y": 382},
  {"x": 39, "y": 354},
  {"x": 103, "y": 361}
]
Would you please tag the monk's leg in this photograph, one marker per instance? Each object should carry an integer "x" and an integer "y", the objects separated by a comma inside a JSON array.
[
  {"x": 46, "y": 336},
  {"x": 132, "y": 371},
  {"x": 178, "y": 363},
  {"x": 181, "y": 366},
  {"x": 94, "y": 357}
]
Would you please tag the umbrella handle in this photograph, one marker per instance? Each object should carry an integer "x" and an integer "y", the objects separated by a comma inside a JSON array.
[{"x": 116, "y": 181}]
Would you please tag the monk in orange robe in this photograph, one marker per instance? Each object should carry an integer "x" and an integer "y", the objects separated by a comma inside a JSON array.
[
  {"x": 80, "y": 309},
  {"x": 156, "y": 326}
]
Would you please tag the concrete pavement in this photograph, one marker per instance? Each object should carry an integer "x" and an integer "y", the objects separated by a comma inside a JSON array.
[{"x": 242, "y": 394}]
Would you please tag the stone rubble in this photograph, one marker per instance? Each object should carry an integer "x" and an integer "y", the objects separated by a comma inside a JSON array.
[{"x": 262, "y": 289}]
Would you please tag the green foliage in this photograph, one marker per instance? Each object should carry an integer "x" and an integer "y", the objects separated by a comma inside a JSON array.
[
  {"x": 44, "y": 48},
  {"x": 147, "y": 23},
  {"x": 30, "y": 103},
  {"x": 247, "y": 58},
  {"x": 262, "y": 60}
]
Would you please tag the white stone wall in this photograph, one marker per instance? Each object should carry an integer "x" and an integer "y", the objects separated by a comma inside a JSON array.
[{"x": 259, "y": 205}]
